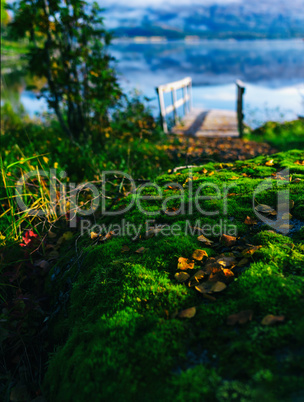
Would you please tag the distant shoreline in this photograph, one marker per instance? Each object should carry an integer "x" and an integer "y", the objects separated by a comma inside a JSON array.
[{"x": 162, "y": 40}]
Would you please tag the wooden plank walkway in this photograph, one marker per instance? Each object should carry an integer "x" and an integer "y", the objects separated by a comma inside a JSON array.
[
  {"x": 209, "y": 123},
  {"x": 199, "y": 123}
]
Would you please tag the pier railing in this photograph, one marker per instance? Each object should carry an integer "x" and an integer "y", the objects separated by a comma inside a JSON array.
[{"x": 186, "y": 100}]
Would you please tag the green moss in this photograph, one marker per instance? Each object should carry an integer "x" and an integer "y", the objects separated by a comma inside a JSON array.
[
  {"x": 123, "y": 339},
  {"x": 289, "y": 135}
]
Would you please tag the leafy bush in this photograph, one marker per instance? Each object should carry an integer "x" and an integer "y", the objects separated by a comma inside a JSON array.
[{"x": 283, "y": 137}]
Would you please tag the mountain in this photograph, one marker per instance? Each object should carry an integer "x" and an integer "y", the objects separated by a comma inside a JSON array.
[{"x": 238, "y": 19}]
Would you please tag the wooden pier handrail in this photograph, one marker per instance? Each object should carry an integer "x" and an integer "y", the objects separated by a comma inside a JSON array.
[
  {"x": 239, "y": 107},
  {"x": 212, "y": 125},
  {"x": 186, "y": 100}
]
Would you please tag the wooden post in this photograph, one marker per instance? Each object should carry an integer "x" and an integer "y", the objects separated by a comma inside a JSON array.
[
  {"x": 162, "y": 109},
  {"x": 185, "y": 99},
  {"x": 174, "y": 100},
  {"x": 240, "y": 115},
  {"x": 190, "y": 96}
]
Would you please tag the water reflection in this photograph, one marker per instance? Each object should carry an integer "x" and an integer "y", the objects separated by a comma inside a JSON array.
[
  {"x": 272, "y": 70},
  {"x": 268, "y": 63}
]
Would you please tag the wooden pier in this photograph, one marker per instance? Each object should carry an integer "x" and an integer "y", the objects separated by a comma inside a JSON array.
[{"x": 196, "y": 122}]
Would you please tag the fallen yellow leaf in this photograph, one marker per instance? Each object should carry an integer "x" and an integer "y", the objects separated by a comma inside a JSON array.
[
  {"x": 265, "y": 209},
  {"x": 251, "y": 250},
  {"x": 250, "y": 221},
  {"x": 181, "y": 276},
  {"x": 94, "y": 236},
  {"x": 199, "y": 255},
  {"x": 209, "y": 287},
  {"x": 228, "y": 240},
  {"x": 194, "y": 280},
  {"x": 188, "y": 313},
  {"x": 140, "y": 250},
  {"x": 185, "y": 263},
  {"x": 204, "y": 239},
  {"x": 269, "y": 163}
]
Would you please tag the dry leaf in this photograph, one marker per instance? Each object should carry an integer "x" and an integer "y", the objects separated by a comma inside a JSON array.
[
  {"x": 226, "y": 262},
  {"x": 297, "y": 180},
  {"x": 240, "y": 318},
  {"x": 125, "y": 249},
  {"x": 188, "y": 313},
  {"x": 152, "y": 232},
  {"x": 250, "y": 221},
  {"x": 213, "y": 268},
  {"x": 181, "y": 276},
  {"x": 228, "y": 240},
  {"x": 224, "y": 275},
  {"x": 108, "y": 236},
  {"x": 227, "y": 272},
  {"x": 251, "y": 250},
  {"x": 284, "y": 226},
  {"x": 269, "y": 163},
  {"x": 140, "y": 250},
  {"x": 51, "y": 234},
  {"x": 94, "y": 236},
  {"x": 219, "y": 287},
  {"x": 286, "y": 216},
  {"x": 272, "y": 319},
  {"x": 204, "y": 287},
  {"x": 209, "y": 287},
  {"x": 199, "y": 255},
  {"x": 196, "y": 278},
  {"x": 185, "y": 263},
  {"x": 265, "y": 209},
  {"x": 204, "y": 239}
]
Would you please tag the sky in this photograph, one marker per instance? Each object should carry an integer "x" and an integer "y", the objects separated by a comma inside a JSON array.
[{"x": 145, "y": 3}]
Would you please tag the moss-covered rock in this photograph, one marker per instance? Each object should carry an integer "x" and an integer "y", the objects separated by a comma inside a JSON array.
[{"x": 120, "y": 338}]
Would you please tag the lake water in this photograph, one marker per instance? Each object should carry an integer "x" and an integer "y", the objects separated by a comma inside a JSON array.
[{"x": 273, "y": 72}]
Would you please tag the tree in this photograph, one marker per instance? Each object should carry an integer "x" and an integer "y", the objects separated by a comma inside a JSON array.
[
  {"x": 68, "y": 46},
  {"x": 5, "y": 18}
]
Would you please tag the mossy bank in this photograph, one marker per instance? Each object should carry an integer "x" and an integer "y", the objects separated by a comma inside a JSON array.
[{"x": 117, "y": 331}]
